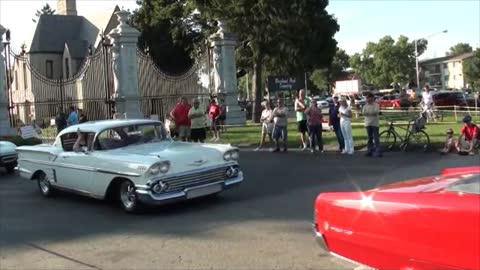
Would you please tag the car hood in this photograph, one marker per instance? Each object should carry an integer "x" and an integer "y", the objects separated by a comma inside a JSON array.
[
  {"x": 7, "y": 148},
  {"x": 425, "y": 184},
  {"x": 178, "y": 151}
]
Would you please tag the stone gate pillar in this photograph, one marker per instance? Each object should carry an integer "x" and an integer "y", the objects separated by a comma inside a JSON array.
[
  {"x": 4, "y": 120},
  {"x": 225, "y": 73},
  {"x": 124, "y": 59}
]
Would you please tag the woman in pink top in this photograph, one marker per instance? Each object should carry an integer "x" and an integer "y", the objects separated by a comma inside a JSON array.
[{"x": 314, "y": 123}]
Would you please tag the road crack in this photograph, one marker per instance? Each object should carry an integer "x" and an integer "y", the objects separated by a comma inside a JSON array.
[{"x": 62, "y": 256}]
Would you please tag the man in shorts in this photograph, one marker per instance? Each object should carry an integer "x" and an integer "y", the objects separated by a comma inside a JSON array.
[
  {"x": 267, "y": 124},
  {"x": 301, "y": 104},
  {"x": 179, "y": 115},
  {"x": 280, "y": 116},
  {"x": 198, "y": 122},
  {"x": 214, "y": 113}
]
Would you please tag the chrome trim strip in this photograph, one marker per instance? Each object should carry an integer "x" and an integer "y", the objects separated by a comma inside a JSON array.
[
  {"x": 23, "y": 170},
  {"x": 117, "y": 173},
  {"x": 142, "y": 187},
  {"x": 34, "y": 151},
  {"x": 320, "y": 240},
  {"x": 161, "y": 197},
  {"x": 361, "y": 265},
  {"x": 79, "y": 167},
  {"x": 63, "y": 165}
]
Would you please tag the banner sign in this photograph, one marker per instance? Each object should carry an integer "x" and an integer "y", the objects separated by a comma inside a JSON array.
[
  {"x": 285, "y": 83},
  {"x": 346, "y": 87}
]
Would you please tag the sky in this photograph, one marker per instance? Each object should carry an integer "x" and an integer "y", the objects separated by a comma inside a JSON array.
[{"x": 361, "y": 21}]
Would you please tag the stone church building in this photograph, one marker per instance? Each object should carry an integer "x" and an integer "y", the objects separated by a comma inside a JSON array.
[{"x": 58, "y": 49}]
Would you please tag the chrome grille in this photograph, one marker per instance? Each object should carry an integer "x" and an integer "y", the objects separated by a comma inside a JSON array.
[{"x": 181, "y": 182}]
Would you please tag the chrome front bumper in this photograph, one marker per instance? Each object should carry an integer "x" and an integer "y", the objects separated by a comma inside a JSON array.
[
  {"x": 320, "y": 239},
  {"x": 150, "y": 198}
]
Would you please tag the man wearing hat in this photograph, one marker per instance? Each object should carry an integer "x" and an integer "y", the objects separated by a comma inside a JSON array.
[{"x": 469, "y": 136}]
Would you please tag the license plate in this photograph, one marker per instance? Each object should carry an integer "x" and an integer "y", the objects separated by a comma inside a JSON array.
[{"x": 199, "y": 192}]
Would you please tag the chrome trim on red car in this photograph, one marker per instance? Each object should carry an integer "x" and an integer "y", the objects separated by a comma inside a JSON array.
[{"x": 319, "y": 238}]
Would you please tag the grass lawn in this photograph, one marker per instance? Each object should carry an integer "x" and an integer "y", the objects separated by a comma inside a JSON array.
[{"x": 250, "y": 135}]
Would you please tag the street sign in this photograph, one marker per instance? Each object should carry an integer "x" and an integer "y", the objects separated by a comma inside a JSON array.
[{"x": 285, "y": 83}]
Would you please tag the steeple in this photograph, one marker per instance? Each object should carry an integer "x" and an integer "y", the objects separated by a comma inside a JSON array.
[{"x": 67, "y": 7}]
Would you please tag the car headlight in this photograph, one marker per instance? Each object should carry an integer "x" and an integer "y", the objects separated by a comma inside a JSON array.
[
  {"x": 231, "y": 155},
  {"x": 235, "y": 155},
  {"x": 160, "y": 167}
]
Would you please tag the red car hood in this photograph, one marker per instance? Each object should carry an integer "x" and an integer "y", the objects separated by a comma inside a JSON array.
[{"x": 431, "y": 183}]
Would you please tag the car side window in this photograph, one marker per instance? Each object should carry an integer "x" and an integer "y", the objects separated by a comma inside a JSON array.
[
  {"x": 110, "y": 139},
  {"x": 68, "y": 140},
  {"x": 470, "y": 185}
]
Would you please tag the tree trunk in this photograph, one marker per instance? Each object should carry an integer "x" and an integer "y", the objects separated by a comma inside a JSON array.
[{"x": 257, "y": 90}]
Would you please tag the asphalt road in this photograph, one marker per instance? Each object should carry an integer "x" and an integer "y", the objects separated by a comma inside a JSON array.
[{"x": 263, "y": 224}]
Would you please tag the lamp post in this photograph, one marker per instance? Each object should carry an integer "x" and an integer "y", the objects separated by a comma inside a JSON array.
[{"x": 416, "y": 53}]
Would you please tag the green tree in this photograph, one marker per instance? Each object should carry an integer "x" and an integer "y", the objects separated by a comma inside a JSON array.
[
  {"x": 169, "y": 31},
  {"x": 47, "y": 10},
  {"x": 459, "y": 49},
  {"x": 325, "y": 78},
  {"x": 286, "y": 37},
  {"x": 282, "y": 37},
  {"x": 471, "y": 70},
  {"x": 387, "y": 62}
]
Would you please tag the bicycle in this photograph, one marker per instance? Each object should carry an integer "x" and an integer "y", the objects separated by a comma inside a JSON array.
[
  {"x": 429, "y": 111},
  {"x": 415, "y": 137}
]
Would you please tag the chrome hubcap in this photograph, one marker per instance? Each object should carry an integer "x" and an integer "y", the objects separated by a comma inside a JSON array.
[
  {"x": 44, "y": 185},
  {"x": 127, "y": 194}
]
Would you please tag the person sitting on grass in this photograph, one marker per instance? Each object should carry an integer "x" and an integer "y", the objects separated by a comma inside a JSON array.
[
  {"x": 469, "y": 137},
  {"x": 450, "y": 143}
]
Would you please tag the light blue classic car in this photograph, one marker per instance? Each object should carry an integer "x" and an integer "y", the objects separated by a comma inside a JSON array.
[
  {"x": 8, "y": 156},
  {"x": 133, "y": 161}
]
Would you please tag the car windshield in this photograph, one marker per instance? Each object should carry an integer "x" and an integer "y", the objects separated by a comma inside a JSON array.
[
  {"x": 470, "y": 184},
  {"x": 119, "y": 137}
]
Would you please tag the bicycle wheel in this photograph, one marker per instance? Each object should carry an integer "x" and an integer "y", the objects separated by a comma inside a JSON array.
[
  {"x": 417, "y": 141},
  {"x": 387, "y": 140}
]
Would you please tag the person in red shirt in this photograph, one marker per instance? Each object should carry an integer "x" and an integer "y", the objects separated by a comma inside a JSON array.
[
  {"x": 214, "y": 112},
  {"x": 469, "y": 136},
  {"x": 179, "y": 115}
]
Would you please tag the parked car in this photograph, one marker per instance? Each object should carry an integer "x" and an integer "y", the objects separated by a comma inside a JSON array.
[
  {"x": 321, "y": 103},
  {"x": 8, "y": 156},
  {"x": 449, "y": 99},
  {"x": 132, "y": 161},
  {"x": 426, "y": 223},
  {"x": 389, "y": 101}
]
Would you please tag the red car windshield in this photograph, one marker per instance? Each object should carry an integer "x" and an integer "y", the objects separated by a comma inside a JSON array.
[
  {"x": 434, "y": 184},
  {"x": 470, "y": 184}
]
